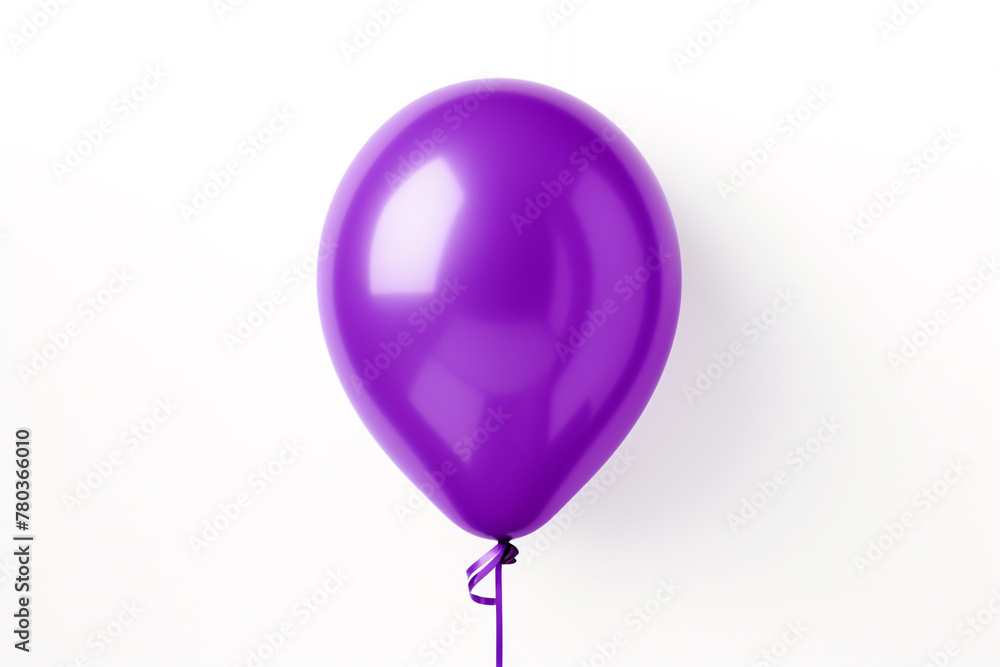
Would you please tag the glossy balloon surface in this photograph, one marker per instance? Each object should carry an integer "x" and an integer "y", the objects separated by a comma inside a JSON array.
[{"x": 499, "y": 292}]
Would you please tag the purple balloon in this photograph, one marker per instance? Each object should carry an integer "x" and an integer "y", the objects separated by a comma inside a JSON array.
[{"x": 499, "y": 295}]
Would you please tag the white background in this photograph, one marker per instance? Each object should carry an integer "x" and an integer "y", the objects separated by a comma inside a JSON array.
[{"x": 335, "y": 505}]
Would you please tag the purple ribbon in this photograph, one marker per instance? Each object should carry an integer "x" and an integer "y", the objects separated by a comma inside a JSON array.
[{"x": 504, "y": 553}]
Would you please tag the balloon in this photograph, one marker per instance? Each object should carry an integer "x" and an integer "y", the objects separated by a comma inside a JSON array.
[{"x": 499, "y": 292}]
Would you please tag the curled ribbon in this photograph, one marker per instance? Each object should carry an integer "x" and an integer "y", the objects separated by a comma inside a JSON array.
[{"x": 504, "y": 553}]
